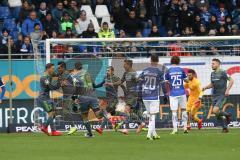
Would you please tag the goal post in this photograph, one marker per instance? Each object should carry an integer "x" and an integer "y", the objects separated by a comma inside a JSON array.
[{"x": 97, "y": 54}]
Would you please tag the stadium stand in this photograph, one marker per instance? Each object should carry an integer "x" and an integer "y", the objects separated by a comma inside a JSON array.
[{"x": 168, "y": 17}]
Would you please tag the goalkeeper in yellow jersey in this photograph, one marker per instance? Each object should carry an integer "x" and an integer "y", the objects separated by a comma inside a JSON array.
[{"x": 194, "y": 99}]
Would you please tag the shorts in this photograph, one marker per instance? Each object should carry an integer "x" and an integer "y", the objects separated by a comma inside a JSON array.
[
  {"x": 87, "y": 103},
  {"x": 219, "y": 101},
  {"x": 152, "y": 106},
  {"x": 178, "y": 101},
  {"x": 191, "y": 104}
]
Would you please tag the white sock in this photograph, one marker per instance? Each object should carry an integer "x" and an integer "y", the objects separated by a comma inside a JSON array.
[
  {"x": 150, "y": 126},
  {"x": 184, "y": 119},
  {"x": 174, "y": 121},
  {"x": 154, "y": 133}
]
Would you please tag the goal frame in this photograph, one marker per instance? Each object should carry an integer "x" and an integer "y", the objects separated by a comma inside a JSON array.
[{"x": 148, "y": 39}]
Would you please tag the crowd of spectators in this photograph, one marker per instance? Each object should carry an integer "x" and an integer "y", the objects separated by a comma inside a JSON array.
[{"x": 36, "y": 20}]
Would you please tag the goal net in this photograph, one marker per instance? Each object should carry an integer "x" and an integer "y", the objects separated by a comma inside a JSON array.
[{"x": 96, "y": 55}]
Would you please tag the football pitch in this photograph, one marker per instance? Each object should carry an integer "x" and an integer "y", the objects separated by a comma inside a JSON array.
[{"x": 197, "y": 145}]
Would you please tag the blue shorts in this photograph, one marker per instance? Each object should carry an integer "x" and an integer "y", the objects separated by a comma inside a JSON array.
[
  {"x": 87, "y": 103},
  {"x": 219, "y": 101}
]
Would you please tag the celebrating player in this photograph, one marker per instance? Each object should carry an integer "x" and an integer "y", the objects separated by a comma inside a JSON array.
[
  {"x": 3, "y": 88},
  {"x": 175, "y": 76},
  {"x": 82, "y": 82},
  {"x": 65, "y": 81},
  {"x": 220, "y": 90},
  {"x": 111, "y": 94},
  {"x": 83, "y": 104},
  {"x": 131, "y": 97},
  {"x": 83, "y": 85},
  {"x": 81, "y": 75},
  {"x": 151, "y": 79},
  {"x": 194, "y": 99},
  {"x": 47, "y": 84}
]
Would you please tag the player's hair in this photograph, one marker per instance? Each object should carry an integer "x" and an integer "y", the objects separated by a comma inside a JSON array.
[
  {"x": 62, "y": 64},
  {"x": 191, "y": 71},
  {"x": 111, "y": 68},
  {"x": 216, "y": 60},
  {"x": 154, "y": 58},
  {"x": 49, "y": 65},
  {"x": 175, "y": 60},
  {"x": 128, "y": 62},
  {"x": 78, "y": 66}
]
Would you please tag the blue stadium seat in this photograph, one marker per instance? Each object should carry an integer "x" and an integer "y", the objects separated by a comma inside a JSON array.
[
  {"x": 162, "y": 31},
  {"x": 5, "y": 12},
  {"x": 10, "y": 24},
  {"x": 14, "y": 35},
  {"x": 146, "y": 32},
  {"x": 1, "y": 25}
]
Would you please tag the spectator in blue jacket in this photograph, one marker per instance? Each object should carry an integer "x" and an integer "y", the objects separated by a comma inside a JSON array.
[
  {"x": 58, "y": 12},
  {"x": 222, "y": 14},
  {"x": 205, "y": 15},
  {"x": 28, "y": 24}
]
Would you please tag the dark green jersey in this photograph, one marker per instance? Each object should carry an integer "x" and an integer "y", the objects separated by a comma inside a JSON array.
[
  {"x": 131, "y": 81},
  {"x": 219, "y": 80},
  {"x": 111, "y": 91},
  {"x": 47, "y": 84},
  {"x": 83, "y": 83},
  {"x": 67, "y": 83}
]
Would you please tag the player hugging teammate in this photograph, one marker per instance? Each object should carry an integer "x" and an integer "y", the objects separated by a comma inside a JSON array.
[{"x": 80, "y": 103}]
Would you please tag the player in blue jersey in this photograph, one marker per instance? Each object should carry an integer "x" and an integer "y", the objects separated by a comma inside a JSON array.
[
  {"x": 152, "y": 79},
  {"x": 175, "y": 76},
  {"x": 3, "y": 88}
]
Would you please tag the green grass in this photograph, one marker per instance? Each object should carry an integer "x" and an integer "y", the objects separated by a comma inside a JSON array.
[{"x": 197, "y": 145}]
